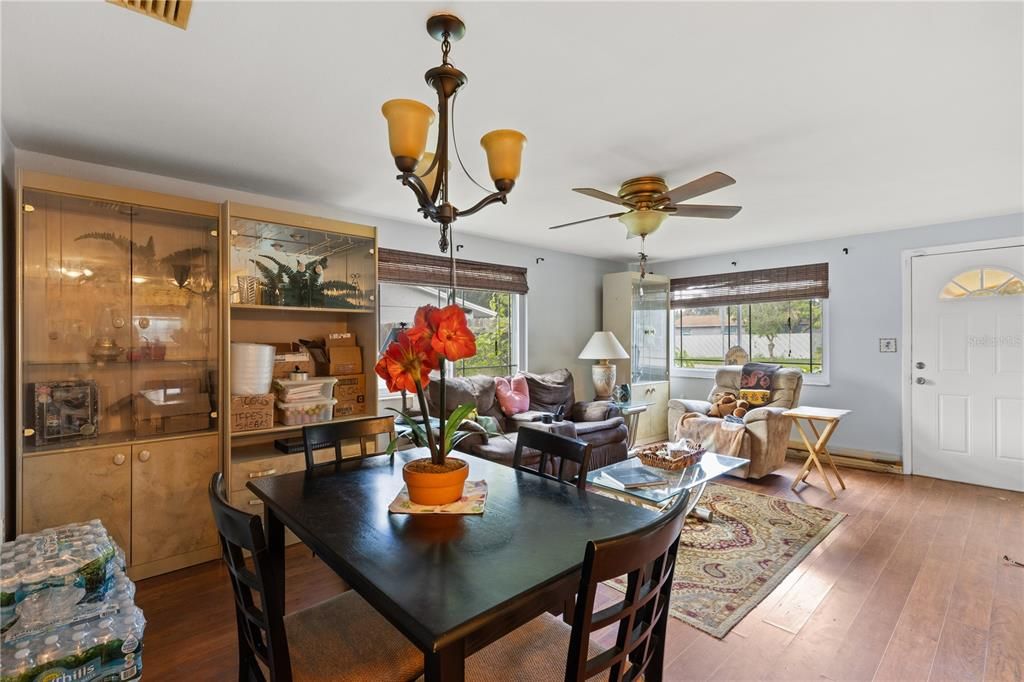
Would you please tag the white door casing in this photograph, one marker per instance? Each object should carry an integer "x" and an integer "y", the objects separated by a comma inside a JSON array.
[{"x": 967, "y": 355}]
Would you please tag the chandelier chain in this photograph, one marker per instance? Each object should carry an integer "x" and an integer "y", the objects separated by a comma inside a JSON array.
[{"x": 446, "y": 47}]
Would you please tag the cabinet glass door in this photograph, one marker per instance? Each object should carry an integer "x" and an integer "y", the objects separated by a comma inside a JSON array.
[
  {"x": 120, "y": 321},
  {"x": 174, "y": 322},
  {"x": 649, "y": 350},
  {"x": 76, "y": 309},
  {"x": 296, "y": 267}
]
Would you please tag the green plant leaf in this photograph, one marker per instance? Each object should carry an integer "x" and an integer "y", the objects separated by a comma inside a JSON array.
[
  {"x": 452, "y": 423},
  {"x": 286, "y": 269},
  {"x": 419, "y": 435}
]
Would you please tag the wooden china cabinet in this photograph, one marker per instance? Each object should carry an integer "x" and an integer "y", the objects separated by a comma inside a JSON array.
[
  {"x": 118, "y": 366},
  {"x": 127, "y": 304}
]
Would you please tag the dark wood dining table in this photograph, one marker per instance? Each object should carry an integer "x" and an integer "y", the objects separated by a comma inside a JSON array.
[{"x": 452, "y": 584}]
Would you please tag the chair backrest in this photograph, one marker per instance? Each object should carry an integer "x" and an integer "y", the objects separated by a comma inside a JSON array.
[
  {"x": 786, "y": 385},
  {"x": 261, "y": 634},
  {"x": 648, "y": 558},
  {"x": 320, "y": 436},
  {"x": 552, "y": 446}
]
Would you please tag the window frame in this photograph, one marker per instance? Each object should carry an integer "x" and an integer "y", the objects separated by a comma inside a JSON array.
[
  {"x": 819, "y": 379},
  {"x": 517, "y": 315}
]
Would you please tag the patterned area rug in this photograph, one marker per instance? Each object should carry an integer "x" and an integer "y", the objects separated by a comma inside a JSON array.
[{"x": 725, "y": 568}]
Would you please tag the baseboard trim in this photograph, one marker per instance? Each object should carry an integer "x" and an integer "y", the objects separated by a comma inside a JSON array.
[{"x": 849, "y": 458}]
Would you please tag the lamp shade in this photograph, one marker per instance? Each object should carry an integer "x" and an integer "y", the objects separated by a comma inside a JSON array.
[
  {"x": 408, "y": 124},
  {"x": 642, "y": 222},
  {"x": 504, "y": 153},
  {"x": 429, "y": 179},
  {"x": 603, "y": 346}
]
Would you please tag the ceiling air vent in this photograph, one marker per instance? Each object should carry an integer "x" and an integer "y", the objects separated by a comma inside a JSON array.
[{"x": 173, "y": 12}]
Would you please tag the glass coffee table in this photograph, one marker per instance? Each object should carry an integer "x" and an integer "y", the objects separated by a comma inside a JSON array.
[{"x": 692, "y": 480}]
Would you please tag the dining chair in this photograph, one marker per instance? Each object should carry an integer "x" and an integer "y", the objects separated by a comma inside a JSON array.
[
  {"x": 321, "y": 436},
  {"x": 342, "y": 638},
  {"x": 548, "y": 649},
  {"x": 552, "y": 446}
]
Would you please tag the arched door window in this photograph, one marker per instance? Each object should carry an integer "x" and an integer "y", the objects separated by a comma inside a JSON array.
[{"x": 983, "y": 281}]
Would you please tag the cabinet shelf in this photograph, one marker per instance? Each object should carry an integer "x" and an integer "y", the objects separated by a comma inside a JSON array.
[
  {"x": 107, "y": 363},
  {"x": 301, "y": 309},
  {"x": 108, "y": 439},
  {"x": 284, "y": 428}
]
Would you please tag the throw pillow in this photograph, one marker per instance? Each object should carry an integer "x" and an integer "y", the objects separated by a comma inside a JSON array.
[
  {"x": 513, "y": 396},
  {"x": 755, "y": 397}
]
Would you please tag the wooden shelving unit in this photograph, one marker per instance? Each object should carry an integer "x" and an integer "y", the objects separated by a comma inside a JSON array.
[{"x": 250, "y": 454}]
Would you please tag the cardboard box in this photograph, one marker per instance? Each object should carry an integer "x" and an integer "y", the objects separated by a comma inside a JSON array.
[
  {"x": 350, "y": 392},
  {"x": 288, "y": 356},
  {"x": 171, "y": 406},
  {"x": 335, "y": 339},
  {"x": 345, "y": 360},
  {"x": 251, "y": 412}
]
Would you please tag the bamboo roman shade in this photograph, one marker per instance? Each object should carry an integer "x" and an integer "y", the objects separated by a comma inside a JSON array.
[
  {"x": 751, "y": 286},
  {"x": 406, "y": 267}
]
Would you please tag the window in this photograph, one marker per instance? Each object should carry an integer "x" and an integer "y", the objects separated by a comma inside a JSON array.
[
  {"x": 491, "y": 295},
  {"x": 492, "y": 315},
  {"x": 788, "y": 333},
  {"x": 777, "y": 315}
]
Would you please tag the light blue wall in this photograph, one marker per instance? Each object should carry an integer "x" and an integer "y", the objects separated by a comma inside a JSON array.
[{"x": 865, "y": 304}]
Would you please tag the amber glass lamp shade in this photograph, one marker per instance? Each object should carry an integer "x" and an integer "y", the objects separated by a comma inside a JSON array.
[
  {"x": 504, "y": 155},
  {"x": 429, "y": 179},
  {"x": 408, "y": 124},
  {"x": 642, "y": 222}
]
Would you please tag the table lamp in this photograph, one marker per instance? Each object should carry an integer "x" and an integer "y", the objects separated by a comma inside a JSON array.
[{"x": 603, "y": 346}]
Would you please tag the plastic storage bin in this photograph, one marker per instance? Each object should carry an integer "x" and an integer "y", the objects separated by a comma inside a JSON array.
[
  {"x": 305, "y": 412},
  {"x": 318, "y": 388}
]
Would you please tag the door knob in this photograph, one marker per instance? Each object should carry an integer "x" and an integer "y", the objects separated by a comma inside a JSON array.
[
  {"x": 118, "y": 459},
  {"x": 921, "y": 380},
  {"x": 144, "y": 456},
  {"x": 919, "y": 365}
]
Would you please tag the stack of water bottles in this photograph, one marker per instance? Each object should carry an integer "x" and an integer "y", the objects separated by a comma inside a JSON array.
[{"x": 67, "y": 609}]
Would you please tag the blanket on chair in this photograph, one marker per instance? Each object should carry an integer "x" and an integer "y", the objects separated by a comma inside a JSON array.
[{"x": 716, "y": 435}]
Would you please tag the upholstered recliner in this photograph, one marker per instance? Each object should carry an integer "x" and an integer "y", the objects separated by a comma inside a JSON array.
[{"x": 765, "y": 434}]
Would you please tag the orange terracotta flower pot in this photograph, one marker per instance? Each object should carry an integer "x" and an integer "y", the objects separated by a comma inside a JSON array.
[{"x": 434, "y": 488}]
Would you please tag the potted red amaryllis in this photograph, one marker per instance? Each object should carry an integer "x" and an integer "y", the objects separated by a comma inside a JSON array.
[{"x": 438, "y": 336}]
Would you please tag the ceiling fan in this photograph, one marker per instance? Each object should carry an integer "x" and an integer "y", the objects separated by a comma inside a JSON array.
[{"x": 649, "y": 201}]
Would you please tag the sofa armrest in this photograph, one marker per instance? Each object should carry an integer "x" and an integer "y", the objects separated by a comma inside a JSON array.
[
  {"x": 592, "y": 427},
  {"x": 763, "y": 414},
  {"x": 698, "y": 406},
  {"x": 593, "y": 411}
]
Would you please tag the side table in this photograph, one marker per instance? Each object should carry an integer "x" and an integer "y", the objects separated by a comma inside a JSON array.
[
  {"x": 819, "y": 449},
  {"x": 631, "y": 413}
]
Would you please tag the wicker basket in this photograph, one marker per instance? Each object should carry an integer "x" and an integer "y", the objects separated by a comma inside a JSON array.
[{"x": 657, "y": 456}]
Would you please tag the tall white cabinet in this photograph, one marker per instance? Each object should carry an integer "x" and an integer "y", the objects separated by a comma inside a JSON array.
[{"x": 636, "y": 310}]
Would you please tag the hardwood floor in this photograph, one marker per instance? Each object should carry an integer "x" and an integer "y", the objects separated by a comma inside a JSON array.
[{"x": 911, "y": 586}]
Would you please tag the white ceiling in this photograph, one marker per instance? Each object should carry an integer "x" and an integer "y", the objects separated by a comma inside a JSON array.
[{"x": 834, "y": 118}]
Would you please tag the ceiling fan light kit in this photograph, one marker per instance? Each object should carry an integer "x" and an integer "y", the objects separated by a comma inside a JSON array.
[
  {"x": 649, "y": 201},
  {"x": 409, "y": 124}
]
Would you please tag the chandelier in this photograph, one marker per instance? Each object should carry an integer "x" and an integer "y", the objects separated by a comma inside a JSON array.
[{"x": 426, "y": 174}]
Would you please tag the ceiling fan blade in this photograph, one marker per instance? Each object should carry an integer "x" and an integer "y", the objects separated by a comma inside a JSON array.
[
  {"x": 586, "y": 220},
  {"x": 598, "y": 194},
  {"x": 709, "y": 183},
  {"x": 705, "y": 211}
]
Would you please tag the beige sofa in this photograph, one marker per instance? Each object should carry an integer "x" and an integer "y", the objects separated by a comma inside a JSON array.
[{"x": 765, "y": 431}]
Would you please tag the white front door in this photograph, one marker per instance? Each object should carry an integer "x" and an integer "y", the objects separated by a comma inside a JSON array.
[{"x": 967, "y": 352}]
